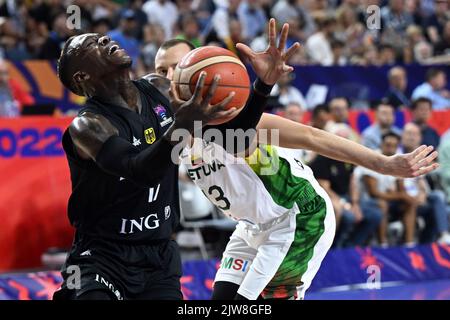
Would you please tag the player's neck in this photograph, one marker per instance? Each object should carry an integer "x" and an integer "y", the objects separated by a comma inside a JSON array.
[{"x": 118, "y": 89}]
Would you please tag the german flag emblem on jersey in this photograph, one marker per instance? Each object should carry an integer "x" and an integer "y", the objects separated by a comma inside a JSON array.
[{"x": 150, "y": 136}]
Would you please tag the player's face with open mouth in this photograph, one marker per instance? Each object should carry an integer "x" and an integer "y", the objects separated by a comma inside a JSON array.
[{"x": 98, "y": 54}]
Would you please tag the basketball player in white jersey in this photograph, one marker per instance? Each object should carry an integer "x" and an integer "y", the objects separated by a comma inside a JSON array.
[{"x": 286, "y": 221}]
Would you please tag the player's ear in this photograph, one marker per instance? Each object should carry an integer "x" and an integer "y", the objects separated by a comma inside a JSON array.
[{"x": 80, "y": 77}]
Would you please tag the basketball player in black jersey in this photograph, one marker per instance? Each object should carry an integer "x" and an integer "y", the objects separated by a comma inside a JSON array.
[{"x": 124, "y": 201}]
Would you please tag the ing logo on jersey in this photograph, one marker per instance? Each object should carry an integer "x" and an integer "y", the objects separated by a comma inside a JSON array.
[{"x": 150, "y": 135}]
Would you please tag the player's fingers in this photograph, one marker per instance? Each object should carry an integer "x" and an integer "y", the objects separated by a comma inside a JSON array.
[
  {"x": 224, "y": 114},
  {"x": 221, "y": 106},
  {"x": 425, "y": 161},
  {"x": 272, "y": 33},
  {"x": 197, "y": 96},
  {"x": 212, "y": 89},
  {"x": 290, "y": 52},
  {"x": 419, "y": 157},
  {"x": 245, "y": 50},
  {"x": 416, "y": 152},
  {"x": 425, "y": 170},
  {"x": 287, "y": 69},
  {"x": 173, "y": 93},
  {"x": 283, "y": 37}
]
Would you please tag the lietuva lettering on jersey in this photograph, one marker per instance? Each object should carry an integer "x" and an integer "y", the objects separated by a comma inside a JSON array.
[{"x": 205, "y": 170}]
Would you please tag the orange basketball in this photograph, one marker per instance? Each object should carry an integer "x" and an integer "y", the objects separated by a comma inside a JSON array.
[{"x": 213, "y": 60}]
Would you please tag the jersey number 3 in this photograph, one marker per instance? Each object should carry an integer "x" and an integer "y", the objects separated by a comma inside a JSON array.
[{"x": 217, "y": 193}]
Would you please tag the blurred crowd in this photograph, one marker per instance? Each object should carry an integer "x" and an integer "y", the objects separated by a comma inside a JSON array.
[
  {"x": 370, "y": 208},
  {"x": 332, "y": 32}
]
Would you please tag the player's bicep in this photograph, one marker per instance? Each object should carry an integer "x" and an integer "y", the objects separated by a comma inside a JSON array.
[{"x": 88, "y": 132}]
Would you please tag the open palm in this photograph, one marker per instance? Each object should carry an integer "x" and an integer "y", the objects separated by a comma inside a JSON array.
[{"x": 270, "y": 65}]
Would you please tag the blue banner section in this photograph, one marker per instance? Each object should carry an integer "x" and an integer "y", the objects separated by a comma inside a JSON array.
[
  {"x": 357, "y": 83},
  {"x": 340, "y": 267}
]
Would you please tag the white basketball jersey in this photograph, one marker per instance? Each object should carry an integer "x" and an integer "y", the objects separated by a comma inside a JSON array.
[{"x": 258, "y": 189}]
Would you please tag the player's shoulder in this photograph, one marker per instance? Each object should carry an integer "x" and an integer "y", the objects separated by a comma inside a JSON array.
[
  {"x": 90, "y": 123},
  {"x": 159, "y": 82}
]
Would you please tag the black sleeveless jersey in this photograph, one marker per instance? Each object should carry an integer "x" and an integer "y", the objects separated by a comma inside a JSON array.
[{"x": 110, "y": 207}]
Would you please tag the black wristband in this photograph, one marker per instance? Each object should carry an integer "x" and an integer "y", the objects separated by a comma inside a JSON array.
[{"x": 262, "y": 88}]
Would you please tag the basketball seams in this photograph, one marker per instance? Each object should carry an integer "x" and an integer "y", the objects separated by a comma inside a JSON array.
[{"x": 184, "y": 81}]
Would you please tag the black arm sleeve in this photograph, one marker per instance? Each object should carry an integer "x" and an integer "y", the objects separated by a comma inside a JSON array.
[
  {"x": 119, "y": 157},
  {"x": 249, "y": 116}
]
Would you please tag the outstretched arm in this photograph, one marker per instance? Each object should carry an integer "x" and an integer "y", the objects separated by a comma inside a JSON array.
[{"x": 298, "y": 136}]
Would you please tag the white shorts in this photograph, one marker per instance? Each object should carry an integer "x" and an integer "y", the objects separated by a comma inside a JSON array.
[{"x": 283, "y": 259}]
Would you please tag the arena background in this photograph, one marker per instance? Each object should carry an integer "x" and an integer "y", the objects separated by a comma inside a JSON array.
[{"x": 35, "y": 181}]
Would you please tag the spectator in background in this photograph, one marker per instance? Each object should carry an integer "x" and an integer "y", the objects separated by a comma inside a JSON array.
[
  {"x": 51, "y": 49},
  {"x": 225, "y": 11},
  {"x": 292, "y": 10},
  {"x": 253, "y": 19},
  {"x": 434, "y": 89},
  {"x": 162, "y": 12},
  {"x": 125, "y": 35},
  {"x": 443, "y": 46},
  {"x": 396, "y": 95},
  {"x": 395, "y": 19},
  {"x": 384, "y": 123},
  {"x": 293, "y": 111},
  {"x": 337, "y": 179},
  {"x": 339, "y": 110},
  {"x": 101, "y": 26},
  {"x": 387, "y": 194},
  {"x": 190, "y": 30},
  {"x": 435, "y": 22},
  {"x": 320, "y": 116},
  {"x": 318, "y": 46},
  {"x": 387, "y": 55},
  {"x": 421, "y": 113},
  {"x": 423, "y": 52},
  {"x": 153, "y": 39},
  {"x": 339, "y": 57},
  {"x": 286, "y": 92},
  {"x": 140, "y": 16},
  {"x": 12, "y": 96},
  {"x": 431, "y": 203},
  {"x": 414, "y": 35}
]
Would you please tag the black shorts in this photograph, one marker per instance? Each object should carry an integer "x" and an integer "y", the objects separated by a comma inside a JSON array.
[{"x": 124, "y": 271}]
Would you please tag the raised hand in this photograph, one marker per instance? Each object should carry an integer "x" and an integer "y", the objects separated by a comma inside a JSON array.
[
  {"x": 270, "y": 65},
  {"x": 413, "y": 164},
  {"x": 198, "y": 108}
]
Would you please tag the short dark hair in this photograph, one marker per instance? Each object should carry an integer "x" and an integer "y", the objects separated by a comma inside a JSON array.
[
  {"x": 416, "y": 102},
  {"x": 63, "y": 68},
  {"x": 432, "y": 72},
  {"x": 320, "y": 108},
  {"x": 390, "y": 134},
  {"x": 174, "y": 42}
]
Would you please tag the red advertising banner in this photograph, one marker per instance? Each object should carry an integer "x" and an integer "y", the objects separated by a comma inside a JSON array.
[{"x": 34, "y": 189}]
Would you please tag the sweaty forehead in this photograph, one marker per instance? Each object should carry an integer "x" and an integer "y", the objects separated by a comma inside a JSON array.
[
  {"x": 172, "y": 55},
  {"x": 78, "y": 41}
]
